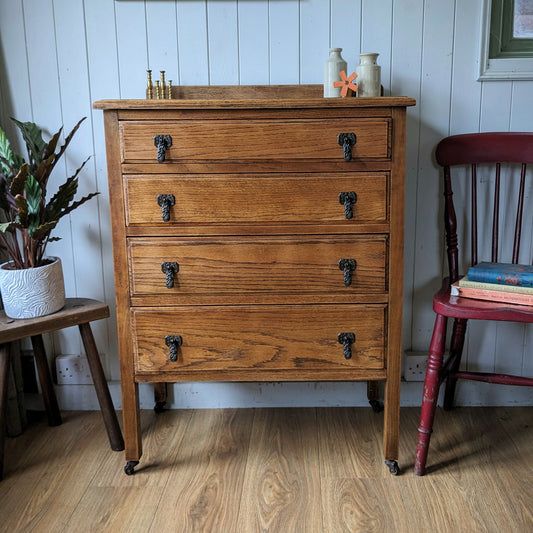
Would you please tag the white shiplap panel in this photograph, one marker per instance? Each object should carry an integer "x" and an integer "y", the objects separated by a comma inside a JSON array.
[
  {"x": 253, "y": 43},
  {"x": 345, "y": 30},
  {"x": 42, "y": 64},
  {"x": 464, "y": 118},
  {"x": 495, "y": 106},
  {"x": 192, "y": 43},
  {"x": 223, "y": 42},
  {"x": 284, "y": 41},
  {"x": 162, "y": 39},
  {"x": 75, "y": 103},
  {"x": 376, "y": 35},
  {"x": 484, "y": 340},
  {"x": 314, "y": 40},
  {"x": 130, "y": 18},
  {"x": 511, "y": 355},
  {"x": 406, "y": 61},
  {"x": 522, "y": 120},
  {"x": 47, "y": 114},
  {"x": 104, "y": 83},
  {"x": 521, "y": 109},
  {"x": 434, "y": 120},
  {"x": 466, "y": 90},
  {"x": 15, "y": 82}
]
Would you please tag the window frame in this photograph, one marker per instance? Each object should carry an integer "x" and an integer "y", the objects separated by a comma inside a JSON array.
[{"x": 503, "y": 57}]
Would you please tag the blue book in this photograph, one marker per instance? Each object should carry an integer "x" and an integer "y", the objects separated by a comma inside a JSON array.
[{"x": 502, "y": 274}]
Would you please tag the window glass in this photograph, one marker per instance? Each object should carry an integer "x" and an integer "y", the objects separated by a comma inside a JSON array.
[{"x": 523, "y": 19}]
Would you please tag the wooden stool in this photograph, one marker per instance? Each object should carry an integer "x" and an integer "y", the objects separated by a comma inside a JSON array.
[{"x": 77, "y": 312}]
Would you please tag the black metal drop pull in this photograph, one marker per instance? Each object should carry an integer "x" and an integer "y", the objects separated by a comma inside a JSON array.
[
  {"x": 166, "y": 201},
  {"x": 173, "y": 342},
  {"x": 348, "y": 266},
  {"x": 346, "y": 140},
  {"x": 348, "y": 199},
  {"x": 346, "y": 339},
  {"x": 170, "y": 269},
  {"x": 162, "y": 142}
]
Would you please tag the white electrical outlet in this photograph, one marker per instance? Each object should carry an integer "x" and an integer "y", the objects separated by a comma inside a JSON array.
[
  {"x": 73, "y": 370},
  {"x": 415, "y": 367}
]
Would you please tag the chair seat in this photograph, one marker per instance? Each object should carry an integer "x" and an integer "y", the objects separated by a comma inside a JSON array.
[{"x": 459, "y": 307}]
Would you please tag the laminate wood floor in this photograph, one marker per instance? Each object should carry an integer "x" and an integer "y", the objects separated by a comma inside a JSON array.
[{"x": 276, "y": 470}]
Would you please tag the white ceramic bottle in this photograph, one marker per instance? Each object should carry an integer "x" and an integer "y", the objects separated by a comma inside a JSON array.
[
  {"x": 334, "y": 64},
  {"x": 368, "y": 76}
]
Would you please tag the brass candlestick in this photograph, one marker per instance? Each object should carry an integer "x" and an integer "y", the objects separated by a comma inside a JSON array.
[
  {"x": 162, "y": 72},
  {"x": 170, "y": 89},
  {"x": 149, "y": 85}
]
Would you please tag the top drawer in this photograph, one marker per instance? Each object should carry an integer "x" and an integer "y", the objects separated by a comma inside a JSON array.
[{"x": 256, "y": 139}]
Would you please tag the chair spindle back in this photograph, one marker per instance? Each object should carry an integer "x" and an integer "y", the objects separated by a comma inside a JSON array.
[{"x": 473, "y": 150}]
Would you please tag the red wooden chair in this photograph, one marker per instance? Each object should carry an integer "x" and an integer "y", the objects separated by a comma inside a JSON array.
[{"x": 470, "y": 155}]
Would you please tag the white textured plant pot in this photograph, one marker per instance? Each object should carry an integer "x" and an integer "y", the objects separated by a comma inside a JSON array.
[{"x": 32, "y": 292}]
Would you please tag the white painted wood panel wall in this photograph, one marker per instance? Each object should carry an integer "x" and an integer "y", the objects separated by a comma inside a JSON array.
[{"x": 58, "y": 56}]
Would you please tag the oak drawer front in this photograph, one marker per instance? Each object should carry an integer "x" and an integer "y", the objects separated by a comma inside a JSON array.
[
  {"x": 234, "y": 199},
  {"x": 258, "y": 337},
  {"x": 251, "y": 265},
  {"x": 249, "y": 140}
]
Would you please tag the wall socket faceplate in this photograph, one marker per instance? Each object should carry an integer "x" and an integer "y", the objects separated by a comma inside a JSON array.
[
  {"x": 415, "y": 367},
  {"x": 73, "y": 370}
]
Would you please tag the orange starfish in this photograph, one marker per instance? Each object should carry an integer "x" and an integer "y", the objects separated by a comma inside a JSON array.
[{"x": 346, "y": 83}]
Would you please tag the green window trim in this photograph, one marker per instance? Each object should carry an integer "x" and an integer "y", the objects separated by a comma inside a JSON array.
[{"x": 502, "y": 43}]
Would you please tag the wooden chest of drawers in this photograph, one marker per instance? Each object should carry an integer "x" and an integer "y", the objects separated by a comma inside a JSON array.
[{"x": 258, "y": 236}]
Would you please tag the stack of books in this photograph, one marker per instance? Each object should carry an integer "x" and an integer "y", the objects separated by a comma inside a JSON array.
[{"x": 497, "y": 282}]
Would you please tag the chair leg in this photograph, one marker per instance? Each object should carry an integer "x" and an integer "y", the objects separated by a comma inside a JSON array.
[
  {"x": 431, "y": 393},
  {"x": 49, "y": 396},
  {"x": 4, "y": 371},
  {"x": 456, "y": 351},
  {"x": 102, "y": 390}
]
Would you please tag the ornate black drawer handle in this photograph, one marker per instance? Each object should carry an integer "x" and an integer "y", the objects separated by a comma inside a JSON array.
[
  {"x": 348, "y": 199},
  {"x": 162, "y": 142},
  {"x": 170, "y": 269},
  {"x": 173, "y": 342},
  {"x": 166, "y": 201},
  {"x": 348, "y": 265},
  {"x": 347, "y": 140},
  {"x": 346, "y": 339}
]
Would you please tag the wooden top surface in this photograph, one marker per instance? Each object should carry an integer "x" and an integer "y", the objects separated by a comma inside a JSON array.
[
  {"x": 76, "y": 311},
  {"x": 252, "y": 96}
]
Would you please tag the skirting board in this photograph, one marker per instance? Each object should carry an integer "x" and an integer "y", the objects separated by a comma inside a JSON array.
[{"x": 306, "y": 394}]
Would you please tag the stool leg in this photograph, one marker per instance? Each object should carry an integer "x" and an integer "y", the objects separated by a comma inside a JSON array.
[
  {"x": 49, "y": 396},
  {"x": 102, "y": 390},
  {"x": 4, "y": 370}
]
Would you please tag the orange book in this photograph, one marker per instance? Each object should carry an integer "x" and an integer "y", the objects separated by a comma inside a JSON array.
[{"x": 491, "y": 295}]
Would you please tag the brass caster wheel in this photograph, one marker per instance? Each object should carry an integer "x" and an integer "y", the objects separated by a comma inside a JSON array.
[{"x": 129, "y": 469}]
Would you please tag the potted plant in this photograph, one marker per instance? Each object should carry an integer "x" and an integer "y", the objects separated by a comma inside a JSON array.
[{"x": 31, "y": 283}]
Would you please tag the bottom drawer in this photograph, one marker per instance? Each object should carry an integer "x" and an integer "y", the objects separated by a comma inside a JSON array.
[{"x": 259, "y": 338}]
